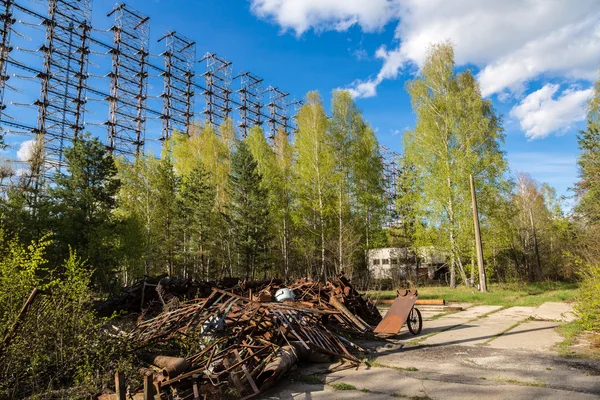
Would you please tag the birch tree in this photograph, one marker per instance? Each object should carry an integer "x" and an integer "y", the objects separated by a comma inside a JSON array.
[
  {"x": 314, "y": 175},
  {"x": 457, "y": 133}
]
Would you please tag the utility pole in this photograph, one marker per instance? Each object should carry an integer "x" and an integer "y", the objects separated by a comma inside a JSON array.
[
  {"x": 482, "y": 279},
  {"x": 537, "y": 274}
]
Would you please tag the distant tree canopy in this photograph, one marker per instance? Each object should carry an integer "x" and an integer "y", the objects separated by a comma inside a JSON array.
[{"x": 310, "y": 202}]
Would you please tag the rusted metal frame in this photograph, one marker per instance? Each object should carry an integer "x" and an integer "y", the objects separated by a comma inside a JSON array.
[
  {"x": 194, "y": 359},
  {"x": 337, "y": 304},
  {"x": 351, "y": 344},
  {"x": 246, "y": 373},
  {"x": 287, "y": 324},
  {"x": 324, "y": 337},
  {"x": 306, "y": 331},
  {"x": 341, "y": 345},
  {"x": 241, "y": 361},
  {"x": 245, "y": 299}
]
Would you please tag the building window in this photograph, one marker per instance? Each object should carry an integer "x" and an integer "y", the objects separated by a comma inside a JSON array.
[
  {"x": 376, "y": 261},
  {"x": 394, "y": 261},
  {"x": 385, "y": 261}
]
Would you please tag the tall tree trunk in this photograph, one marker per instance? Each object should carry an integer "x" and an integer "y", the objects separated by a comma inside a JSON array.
[
  {"x": 341, "y": 233},
  {"x": 286, "y": 265},
  {"x": 456, "y": 261}
]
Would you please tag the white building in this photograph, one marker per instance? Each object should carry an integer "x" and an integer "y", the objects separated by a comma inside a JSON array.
[{"x": 403, "y": 263}]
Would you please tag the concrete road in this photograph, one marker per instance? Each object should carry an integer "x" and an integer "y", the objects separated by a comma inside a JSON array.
[{"x": 483, "y": 352}]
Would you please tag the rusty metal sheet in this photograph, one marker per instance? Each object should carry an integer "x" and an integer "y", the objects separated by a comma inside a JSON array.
[{"x": 398, "y": 313}]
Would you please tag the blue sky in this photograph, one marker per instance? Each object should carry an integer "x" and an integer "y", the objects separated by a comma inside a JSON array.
[{"x": 535, "y": 60}]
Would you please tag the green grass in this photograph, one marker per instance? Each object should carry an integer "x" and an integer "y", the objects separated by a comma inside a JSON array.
[
  {"x": 377, "y": 364},
  {"x": 510, "y": 328},
  {"x": 522, "y": 383},
  {"x": 343, "y": 386},
  {"x": 401, "y": 396},
  {"x": 569, "y": 331},
  {"x": 499, "y": 294}
]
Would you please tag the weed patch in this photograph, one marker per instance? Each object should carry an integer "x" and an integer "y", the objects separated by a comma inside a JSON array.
[{"x": 343, "y": 386}]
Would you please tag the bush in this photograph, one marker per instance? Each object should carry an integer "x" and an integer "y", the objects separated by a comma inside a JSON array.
[
  {"x": 588, "y": 306},
  {"x": 61, "y": 342}
]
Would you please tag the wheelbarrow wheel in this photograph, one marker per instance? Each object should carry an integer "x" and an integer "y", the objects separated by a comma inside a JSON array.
[{"x": 415, "y": 321}]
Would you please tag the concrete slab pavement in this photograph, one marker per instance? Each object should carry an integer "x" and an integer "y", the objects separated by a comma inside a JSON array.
[{"x": 535, "y": 336}]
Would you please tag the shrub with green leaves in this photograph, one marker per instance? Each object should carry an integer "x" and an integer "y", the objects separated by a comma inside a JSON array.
[
  {"x": 60, "y": 343},
  {"x": 588, "y": 306}
]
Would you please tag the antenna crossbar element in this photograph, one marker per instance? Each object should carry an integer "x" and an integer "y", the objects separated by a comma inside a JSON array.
[
  {"x": 217, "y": 92},
  {"x": 178, "y": 84},
  {"x": 126, "y": 122},
  {"x": 63, "y": 79}
]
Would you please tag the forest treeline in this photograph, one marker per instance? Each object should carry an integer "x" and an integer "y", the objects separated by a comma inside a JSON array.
[{"x": 214, "y": 204}]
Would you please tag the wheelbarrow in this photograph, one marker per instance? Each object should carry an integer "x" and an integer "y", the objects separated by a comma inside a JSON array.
[{"x": 402, "y": 311}]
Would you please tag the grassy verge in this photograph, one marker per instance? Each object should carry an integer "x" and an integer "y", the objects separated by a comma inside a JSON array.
[
  {"x": 343, "y": 386},
  {"x": 569, "y": 331},
  {"x": 499, "y": 294}
]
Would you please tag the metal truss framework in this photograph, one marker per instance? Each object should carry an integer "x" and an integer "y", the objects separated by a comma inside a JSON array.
[
  {"x": 217, "y": 93},
  {"x": 129, "y": 78},
  {"x": 6, "y": 22},
  {"x": 63, "y": 77},
  {"x": 277, "y": 110},
  {"x": 391, "y": 172},
  {"x": 251, "y": 95},
  {"x": 178, "y": 77}
]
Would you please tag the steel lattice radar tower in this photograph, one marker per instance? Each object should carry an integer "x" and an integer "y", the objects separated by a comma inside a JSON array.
[
  {"x": 129, "y": 78},
  {"x": 63, "y": 78},
  {"x": 178, "y": 79}
]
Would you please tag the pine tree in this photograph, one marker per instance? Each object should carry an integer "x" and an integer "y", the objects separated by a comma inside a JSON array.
[
  {"x": 249, "y": 212},
  {"x": 198, "y": 217},
  {"x": 165, "y": 185},
  {"x": 84, "y": 198}
]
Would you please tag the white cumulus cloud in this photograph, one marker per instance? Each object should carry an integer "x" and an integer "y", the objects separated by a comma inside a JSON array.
[
  {"x": 26, "y": 150},
  {"x": 511, "y": 41},
  {"x": 542, "y": 112},
  {"x": 302, "y": 15}
]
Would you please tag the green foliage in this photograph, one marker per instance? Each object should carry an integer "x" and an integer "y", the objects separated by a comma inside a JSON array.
[
  {"x": 504, "y": 294},
  {"x": 60, "y": 342},
  {"x": 343, "y": 386},
  {"x": 22, "y": 268},
  {"x": 249, "y": 215},
  {"x": 83, "y": 199},
  {"x": 457, "y": 134},
  {"x": 588, "y": 305},
  {"x": 315, "y": 179},
  {"x": 198, "y": 223}
]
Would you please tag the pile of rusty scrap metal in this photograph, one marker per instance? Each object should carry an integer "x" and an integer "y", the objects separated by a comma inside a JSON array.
[
  {"x": 152, "y": 294},
  {"x": 249, "y": 340}
]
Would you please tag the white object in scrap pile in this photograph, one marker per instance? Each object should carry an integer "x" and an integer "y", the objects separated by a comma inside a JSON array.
[{"x": 284, "y": 294}]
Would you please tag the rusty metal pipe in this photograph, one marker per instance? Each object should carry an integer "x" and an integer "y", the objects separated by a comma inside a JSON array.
[{"x": 171, "y": 366}]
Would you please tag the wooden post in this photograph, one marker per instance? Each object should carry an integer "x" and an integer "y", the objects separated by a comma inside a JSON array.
[
  {"x": 148, "y": 387},
  {"x": 21, "y": 315},
  {"x": 195, "y": 387},
  {"x": 482, "y": 279},
  {"x": 120, "y": 386}
]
